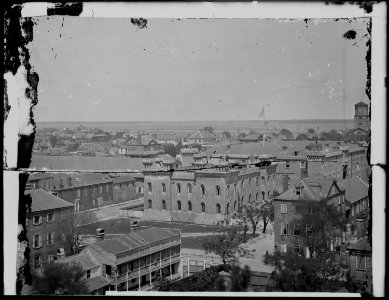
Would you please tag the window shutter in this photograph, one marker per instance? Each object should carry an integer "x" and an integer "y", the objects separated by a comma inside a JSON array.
[
  {"x": 40, "y": 240},
  {"x": 52, "y": 237},
  {"x": 40, "y": 219},
  {"x": 47, "y": 239}
]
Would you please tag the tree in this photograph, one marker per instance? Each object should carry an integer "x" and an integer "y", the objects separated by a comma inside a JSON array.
[
  {"x": 252, "y": 131},
  {"x": 226, "y": 243},
  {"x": 319, "y": 223},
  {"x": 266, "y": 212},
  {"x": 332, "y": 135},
  {"x": 53, "y": 140},
  {"x": 59, "y": 277},
  {"x": 255, "y": 212},
  {"x": 69, "y": 229},
  {"x": 287, "y": 134},
  {"x": 311, "y": 130},
  {"x": 240, "y": 278},
  {"x": 226, "y": 134},
  {"x": 208, "y": 129},
  {"x": 302, "y": 137}
]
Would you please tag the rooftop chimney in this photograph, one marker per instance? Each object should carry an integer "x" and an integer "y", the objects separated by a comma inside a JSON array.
[
  {"x": 285, "y": 183},
  {"x": 100, "y": 234},
  {"x": 361, "y": 226}
]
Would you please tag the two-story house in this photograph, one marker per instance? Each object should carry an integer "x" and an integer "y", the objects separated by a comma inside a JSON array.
[{"x": 49, "y": 217}]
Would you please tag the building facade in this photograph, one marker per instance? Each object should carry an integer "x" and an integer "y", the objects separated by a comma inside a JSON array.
[
  {"x": 204, "y": 193},
  {"x": 49, "y": 219},
  {"x": 361, "y": 116},
  {"x": 289, "y": 204}
]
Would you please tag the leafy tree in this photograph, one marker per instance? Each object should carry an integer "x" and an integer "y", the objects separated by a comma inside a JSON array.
[
  {"x": 332, "y": 135},
  {"x": 226, "y": 243},
  {"x": 227, "y": 134},
  {"x": 319, "y": 223},
  {"x": 255, "y": 212},
  {"x": 266, "y": 211},
  {"x": 208, "y": 129},
  {"x": 287, "y": 134},
  {"x": 240, "y": 278},
  {"x": 311, "y": 130},
  {"x": 302, "y": 137},
  {"x": 58, "y": 277},
  {"x": 72, "y": 146},
  {"x": 53, "y": 140}
]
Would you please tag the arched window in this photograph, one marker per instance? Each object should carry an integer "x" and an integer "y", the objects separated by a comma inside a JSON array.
[
  {"x": 249, "y": 198},
  {"x": 218, "y": 190},
  {"x": 249, "y": 182},
  {"x": 228, "y": 190},
  {"x": 234, "y": 205},
  {"x": 218, "y": 208},
  {"x": 189, "y": 206},
  {"x": 256, "y": 196},
  {"x": 202, "y": 207},
  {"x": 189, "y": 188},
  {"x": 150, "y": 187},
  {"x": 263, "y": 195},
  {"x": 163, "y": 187},
  {"x": 228, "y": 208},
  {"x": 178, "y": 205},
  {"x": 163, "y": 204},
  {"x": 242, "y": 199},
  {"x": 150, "y": 202},
  {"x": 257, "y": 180},
  {"x": 178, "y": 188},
  {"x": 242, "y": 185},
  {"x": 202, "y": 187},
  {"x": 268, "y": 195}
]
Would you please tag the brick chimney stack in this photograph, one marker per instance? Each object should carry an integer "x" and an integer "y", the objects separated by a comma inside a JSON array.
[
  {"x": 361, "y": 226},
  {"x": 285, "y": 183}
]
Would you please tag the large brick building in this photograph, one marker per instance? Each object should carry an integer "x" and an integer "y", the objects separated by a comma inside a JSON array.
[
  {"x": 50, "y": 217},
  {"x": 204, "y": 193},
  {"x": 288, "y": 205}
]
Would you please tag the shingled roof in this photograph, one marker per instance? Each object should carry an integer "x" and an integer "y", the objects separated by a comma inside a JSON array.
[
  {"x": 360, "y": 245},
  {"x": 356, "y": 189}
]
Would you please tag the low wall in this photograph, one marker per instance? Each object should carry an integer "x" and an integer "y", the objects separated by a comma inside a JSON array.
[
  {"x": 156, "y": 215},
  {"x": 183, "y": 216},
  {"x": 131, "y": 213}
]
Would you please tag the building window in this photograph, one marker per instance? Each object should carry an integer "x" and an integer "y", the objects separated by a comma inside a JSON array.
[
  {"x": 78, "y": 193},
  {"x": 50, "y": 238},
  {"x": 163, "y": 204},
  {"x": 287, "y": 165},
  {"x": 298, "y": 190},
  {"x": 37, "y": 241},
  {"x": 203, "y": 207},
  {"x": 189, "y": 206},
  {"x": 283, "y": 248},
  {"x": 263, "y": 195},
  {"x": 249, "y": 182},
  {"x": 235, "y": 205},
  {"x": 150, "y": 204},
  {"x": 178, "y": 205},
  {"x": 296, "y": 229},
  {"x": 85, "y": 192},
  {"x": 88, "y": 274},
  {"x": 249, "y": 198},
  {"x": 228, "y": 208},
  {"x": 218, "y": 190},
  {"x": 163, "y": 188},
  {"x": 37, "y": 261},
  {"x": 296, "y": 249},
  {"x": 189, "y": 188},
  {"x": 178, "y": 188},
  {"x": 257, "y": 180},
  {"x": 242, "y": 185},
  {"x": 101, "y": 189},
  {"x": 352, "y": 211},
  {"x": 308, "y": 230},
  {"x": 361, "y": 263},
  {"x": 302, "y": 164},
  {"x": 218, "y": 208},
  {"x": 50, "y": 258},
  {"x": 284, "y": 208},
  {"x": 228, "y": 190},
  {"x": 77, "y": 205},
  {"x": 202, "y": 187},
  {"x": 107, "y": 188},
  {"x": 256, "y": 196},
  {"x": 50, "y": 217},
  {"x": 283, "y": 229},
  {"x": 37, "y": 220},
  {"x": 150, "y": 187}
]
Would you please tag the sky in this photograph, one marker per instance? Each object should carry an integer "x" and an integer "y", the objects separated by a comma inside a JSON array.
[{"x": 107, "y": 69}]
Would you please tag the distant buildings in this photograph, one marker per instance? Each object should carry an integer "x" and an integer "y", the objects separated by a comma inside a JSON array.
[
  {"x": 131, "y": 261},
  {"x": 202, "y": 137},
  {"x": 50, "y": 218},
  {"x": 133, "y": 147}
]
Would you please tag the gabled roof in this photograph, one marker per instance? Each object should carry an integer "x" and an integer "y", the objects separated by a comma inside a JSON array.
[
  {"x": 42, "y": 200},
  {"x": 80, "y": 180},
  {"x": 360, "y": 245},
  {"x": 39, "y": 176},
  {"x": 94, "y": 283},
  {"x": 132, "y": 141},
  {"x": 314, "y": 188},
  {"x": 122, "y": 179},
  {"x": 356, "y": 189},
  {"x": 201, "y": 134}
]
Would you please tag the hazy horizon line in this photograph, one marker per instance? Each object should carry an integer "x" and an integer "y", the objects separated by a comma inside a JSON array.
[{"x": 164, "y": 121}]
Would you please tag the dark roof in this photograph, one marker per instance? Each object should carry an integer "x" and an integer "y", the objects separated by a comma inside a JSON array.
[
  {"x": 42, "y": 200},
  {"x": 39, "y": 176},
  {"x": 121, "y": 179},
  {"x": 84, "y": 259},
  {"x": 134, "y": 240},
  {"x": 360, "y": 245},
  {"x": 95, "y": 283},
  {"x": 79, "y": 180},
  {"x": 356, "y": 189},
  {"x": 361, "y": 104}
]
